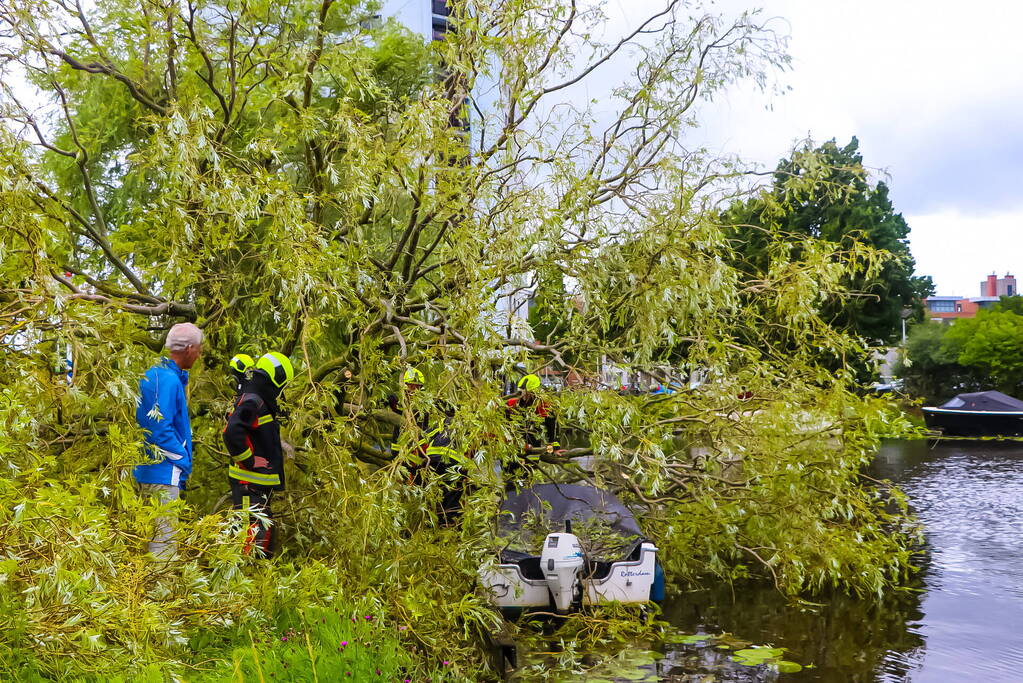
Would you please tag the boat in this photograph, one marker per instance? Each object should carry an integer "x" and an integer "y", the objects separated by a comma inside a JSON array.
[
  {"x": 567, "y": 546},
  {"x": 982, "y": 413}
]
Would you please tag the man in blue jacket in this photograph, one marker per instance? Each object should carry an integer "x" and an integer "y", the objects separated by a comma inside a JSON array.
[{"x": 162, "y": 413}]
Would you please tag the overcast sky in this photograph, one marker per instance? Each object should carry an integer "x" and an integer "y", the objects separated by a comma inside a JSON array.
[{"x": 934, "y": 91}]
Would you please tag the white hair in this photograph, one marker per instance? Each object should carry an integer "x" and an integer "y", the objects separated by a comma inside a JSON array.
[{"x": 183, "y": 335}]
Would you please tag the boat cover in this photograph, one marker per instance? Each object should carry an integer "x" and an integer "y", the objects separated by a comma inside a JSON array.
[
  {"x": 984, "y": 400},
  {"x": 607, "y": 529}
]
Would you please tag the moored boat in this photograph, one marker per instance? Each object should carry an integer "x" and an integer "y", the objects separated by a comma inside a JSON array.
[
  {"x": 567, "y": 546},
  {"x": 982, "y": 413}
]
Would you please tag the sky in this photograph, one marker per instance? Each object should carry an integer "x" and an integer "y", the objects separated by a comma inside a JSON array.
[{"x": 934, "y": 92}]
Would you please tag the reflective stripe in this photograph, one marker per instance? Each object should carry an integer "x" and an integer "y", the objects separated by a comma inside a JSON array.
[
  {"x": 263, "y": 420},
  {"x": 451, "y": 453},
  {"x": 236, "y": 472},
  {"x": 243, "y": 455}
]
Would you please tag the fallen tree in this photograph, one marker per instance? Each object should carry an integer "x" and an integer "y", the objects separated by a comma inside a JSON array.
[{"x": 295, "y": 177}]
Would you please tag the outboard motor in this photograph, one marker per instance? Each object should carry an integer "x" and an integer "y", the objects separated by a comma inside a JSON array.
[{"x": 562, "y": 563}]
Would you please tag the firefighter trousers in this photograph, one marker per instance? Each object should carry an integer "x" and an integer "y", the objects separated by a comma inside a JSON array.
[{"x": 255, "y": 499}]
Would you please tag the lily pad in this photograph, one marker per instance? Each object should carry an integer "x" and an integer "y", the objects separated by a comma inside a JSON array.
[
  {"x": 686, "y": 639},
  {"x": 640, "y": 658},
  {"x": 757, "y": 655},
  {"x": 760, "y": 652},
  {"x": 787, "y": 667},
  {"x": 731, "y": 642}
]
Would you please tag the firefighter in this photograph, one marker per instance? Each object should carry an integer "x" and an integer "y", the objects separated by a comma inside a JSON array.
[
  {"x": 537, "y": 424},
  {"x": 240, "y": 366},
  {"x": 253, "y": 439},
  {"x": 448, "y": 465},
  {"x": 412, "y": 381}
]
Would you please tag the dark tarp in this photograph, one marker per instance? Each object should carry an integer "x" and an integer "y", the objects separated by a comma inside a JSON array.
[
  {"x": 984, "y": 400},
  {"x": 606, "y": 528}
]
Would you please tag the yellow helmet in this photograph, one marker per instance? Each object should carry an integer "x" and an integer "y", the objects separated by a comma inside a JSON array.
[
  {"x": 277, "y": 367},
  {"x": 413, "y": 376},
  {"x": 529, "y": 383},
  {"x": 241, "y": 363}
]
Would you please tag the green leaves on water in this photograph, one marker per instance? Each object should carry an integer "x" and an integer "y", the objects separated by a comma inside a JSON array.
[
  {"x": 726, "y": 641},
  {"x": 787, "y": 667},
  {"x": 745, "y": 653},
  {"x": 757, "y": 656},
  {"x": 687, "y": 639},
  {"x": 632, "y": 666}
]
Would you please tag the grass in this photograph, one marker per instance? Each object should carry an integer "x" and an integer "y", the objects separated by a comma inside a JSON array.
[{"x": 325, "y": 644}]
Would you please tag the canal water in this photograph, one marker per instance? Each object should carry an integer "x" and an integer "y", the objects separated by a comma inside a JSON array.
[{"x": 965, "y": 623}]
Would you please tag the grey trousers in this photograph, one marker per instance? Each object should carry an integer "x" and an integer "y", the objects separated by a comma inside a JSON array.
[{"x": 163, "y": 545}]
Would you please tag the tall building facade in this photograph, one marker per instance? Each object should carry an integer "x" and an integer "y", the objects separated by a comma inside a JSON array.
[{"x": 428, "y": 18}]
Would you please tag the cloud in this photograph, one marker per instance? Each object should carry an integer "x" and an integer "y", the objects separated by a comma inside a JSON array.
[
  {"x": 960, "y": 249},
  {"x": 972, "y": 160}
]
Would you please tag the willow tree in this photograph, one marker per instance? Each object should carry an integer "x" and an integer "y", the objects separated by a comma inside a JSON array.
[{"x": 300, "y": 176}]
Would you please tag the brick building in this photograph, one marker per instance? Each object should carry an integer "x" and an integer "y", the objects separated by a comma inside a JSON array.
[
  {"x": 992, "y": 289},
  {"x": 999, "y": 286}
]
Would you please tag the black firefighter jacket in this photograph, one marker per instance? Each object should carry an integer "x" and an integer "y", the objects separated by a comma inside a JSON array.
[{"x": 252, "y": 430}]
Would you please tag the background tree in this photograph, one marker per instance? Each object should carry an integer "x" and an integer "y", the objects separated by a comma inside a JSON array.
[
  {"x": 991, "y": 345},
  {"x": 931, "y": 368},
  {"x": 1009, "y": 304},
  {"x": 289, "y": 177},
  {"x": 843, "y": 209},
  {"x": 970, "y": 354}
]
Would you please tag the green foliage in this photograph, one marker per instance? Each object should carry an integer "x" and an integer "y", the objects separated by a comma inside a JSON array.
[
  {"x": 930, "y": 367},
  {"x": 1009, "y": 304},
  {"x": 328, "y": 645},
  {"x": 970, "y": 354},
  {"x": 549, "y": 315},
  {"x": 842, "y": 208},
  {"x": 291, "y": 179},
  {"x": 991, "y": 344}
]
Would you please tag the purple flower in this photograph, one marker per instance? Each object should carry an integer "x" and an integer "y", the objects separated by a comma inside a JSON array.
[
  {"x": 344, "y": 643},
  {"x": 368, "y": 618},
  {"x": 446, "y": 662},
  {"x": 284, "y": 639}
]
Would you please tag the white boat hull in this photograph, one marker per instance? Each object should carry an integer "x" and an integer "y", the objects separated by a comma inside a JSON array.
[{"x": 627, "y": 581}]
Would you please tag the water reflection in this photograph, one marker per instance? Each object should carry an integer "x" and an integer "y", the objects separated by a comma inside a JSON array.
[
  {"x": 969, "y": 496},
  {"x": 963, "y": 625},
  {"x": 844, "y": 640}
]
